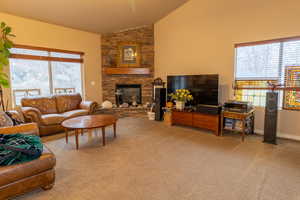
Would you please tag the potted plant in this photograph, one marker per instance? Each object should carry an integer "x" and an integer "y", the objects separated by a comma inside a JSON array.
[
  {"x": 181, "y": 96},
  {"x": 5, "y": 45}
]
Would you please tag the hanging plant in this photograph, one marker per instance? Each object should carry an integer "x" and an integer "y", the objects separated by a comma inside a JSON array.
[{"x": 5, "y": 45}]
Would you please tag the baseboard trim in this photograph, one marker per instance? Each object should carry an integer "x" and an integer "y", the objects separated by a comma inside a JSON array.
[{"x": 280, "y": 135}]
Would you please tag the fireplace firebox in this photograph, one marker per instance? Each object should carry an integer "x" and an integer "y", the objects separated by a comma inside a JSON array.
[{"x": 128, "y": 93}]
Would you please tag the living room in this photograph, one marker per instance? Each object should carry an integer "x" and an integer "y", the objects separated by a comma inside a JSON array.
[{"x": 132, "y": 157}]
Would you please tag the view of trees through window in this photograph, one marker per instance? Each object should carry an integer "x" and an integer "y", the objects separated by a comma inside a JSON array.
[
  {"x": 30, "y": 74},
  {"x": 38, "y": 77},
  {"x": 66, "y": 75}
]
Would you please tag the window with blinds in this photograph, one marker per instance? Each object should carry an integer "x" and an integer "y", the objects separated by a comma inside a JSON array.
[
  {"x": 260, "y": 62},
  {"x": 43, "y": 71},
  {"x": 274, "y": 61}
]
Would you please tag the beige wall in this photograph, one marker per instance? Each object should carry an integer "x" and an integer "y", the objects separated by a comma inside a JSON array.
[
  {"x": 199, "y": 38},
  {"x": 31, "y": 32}
]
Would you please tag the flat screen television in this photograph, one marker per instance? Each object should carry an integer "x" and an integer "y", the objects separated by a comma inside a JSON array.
[{"x": 204, "y": 88}]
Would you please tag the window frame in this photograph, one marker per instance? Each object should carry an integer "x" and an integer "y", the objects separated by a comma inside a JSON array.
[
  {"x": 284, "y": 89},
  {"x": 48, "y": 59}
]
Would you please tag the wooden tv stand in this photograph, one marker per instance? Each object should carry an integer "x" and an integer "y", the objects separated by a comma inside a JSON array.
[{"x": 197, "y": 119}]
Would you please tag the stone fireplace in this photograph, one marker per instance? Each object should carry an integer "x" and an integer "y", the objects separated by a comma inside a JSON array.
[
  {"x": 128, "y": 93},
  {"x": 141, "y": 83},
  {"x": 111, "y": 83}
]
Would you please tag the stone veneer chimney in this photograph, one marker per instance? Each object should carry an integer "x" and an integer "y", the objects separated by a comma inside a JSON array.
[{"x": 145, "y": 37}]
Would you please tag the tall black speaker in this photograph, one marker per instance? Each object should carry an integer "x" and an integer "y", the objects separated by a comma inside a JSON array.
[
  {"x": 160, "y": 102},
  {"x": 271, "y": 111}
]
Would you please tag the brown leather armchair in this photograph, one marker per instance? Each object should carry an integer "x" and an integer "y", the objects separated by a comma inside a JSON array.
[
  {"x": 50, "y": 112},
  {"x": 21, "y": 178}
]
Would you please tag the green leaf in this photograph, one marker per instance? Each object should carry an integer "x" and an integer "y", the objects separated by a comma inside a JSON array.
[
  {"x": 8, "y": 44},
  {"x": 7, "y": 30},
  {"x": 6, "y": 53},
  {"x": 2, "y": 74},
  {"x": 4, "y": 83},
  {"x": 4, "y": 80},
  {"x": 2, "y": 25},
  {"x": 4, "y": 59},
  {"x": 1, "y": 44}
]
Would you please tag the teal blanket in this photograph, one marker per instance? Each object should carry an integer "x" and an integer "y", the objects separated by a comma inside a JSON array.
[{"x": 19, "y": 148}]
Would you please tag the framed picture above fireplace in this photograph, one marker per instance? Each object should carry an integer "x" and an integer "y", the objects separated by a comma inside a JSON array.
[{"x": 129, "y": 54}]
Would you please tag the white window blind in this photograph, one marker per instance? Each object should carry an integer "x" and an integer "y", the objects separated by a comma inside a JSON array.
[
  {"x": 291, "y": 53},
  {"x": 260, "y": 62},
  {"x": 291, "y": 57}
]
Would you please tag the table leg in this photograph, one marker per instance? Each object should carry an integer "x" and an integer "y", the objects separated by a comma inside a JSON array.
[
  {"x": 103, "y": 136},
  {"x": 253, "y": 121},
  {"x": 76, "y": 137},
  {"x": 82, "y": 132},
  {"x": 67, "y": 135},
  {"x": 243, "y": 129},
  {"x": 221, "y": 124},
  {"x": 96, "y": 131},
  {"x": 115, "y": 130}
]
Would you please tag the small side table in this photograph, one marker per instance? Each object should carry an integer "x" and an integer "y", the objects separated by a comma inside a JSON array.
[{"x": 243, "y": 116}]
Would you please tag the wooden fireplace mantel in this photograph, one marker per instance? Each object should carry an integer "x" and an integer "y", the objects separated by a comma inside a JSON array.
[{"x": 126, "y": 70}]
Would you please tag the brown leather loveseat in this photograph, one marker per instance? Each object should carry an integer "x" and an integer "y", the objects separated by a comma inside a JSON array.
[
  {"x": 50, "y": 112},
  {"x": 21, "y": 178}
]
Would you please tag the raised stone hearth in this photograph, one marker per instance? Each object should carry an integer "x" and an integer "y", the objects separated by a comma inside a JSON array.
[
  {"x": 145, "y": 37},
  {"x": 125, "y": 112}
]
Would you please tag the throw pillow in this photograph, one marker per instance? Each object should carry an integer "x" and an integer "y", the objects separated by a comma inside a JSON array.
[{"x": 5, "y": 120}]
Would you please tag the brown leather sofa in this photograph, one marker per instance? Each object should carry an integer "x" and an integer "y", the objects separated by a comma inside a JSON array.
[
  {"x": 50, "y": 112},
  {"x": 21, "y": 178}
]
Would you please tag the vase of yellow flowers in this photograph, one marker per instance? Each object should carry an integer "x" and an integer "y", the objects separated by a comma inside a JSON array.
[
  {"x": 181, "y": 96},
  {"x": 180, "y": 105}
]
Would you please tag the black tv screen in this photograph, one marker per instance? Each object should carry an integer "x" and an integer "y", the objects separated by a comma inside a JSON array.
[{"x": 204, "y": 88}]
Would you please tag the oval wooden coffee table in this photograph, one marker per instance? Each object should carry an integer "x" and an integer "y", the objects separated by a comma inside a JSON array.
[{"x": 89, "y": 122}]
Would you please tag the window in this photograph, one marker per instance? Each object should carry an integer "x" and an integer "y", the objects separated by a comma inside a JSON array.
[
  {"x": 67, "y": 76},
  {"x": 41, "y": 71},
  {"x": 19, "y": 94},
  {"x": 257, "y": 97},
  {"x": 275, "y": 61}
]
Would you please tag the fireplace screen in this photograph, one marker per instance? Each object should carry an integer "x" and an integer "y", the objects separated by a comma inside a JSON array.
[{"x": 131, "y": 94}]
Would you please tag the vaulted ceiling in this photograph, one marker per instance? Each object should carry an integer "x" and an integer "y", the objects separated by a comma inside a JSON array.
[{"x": 99, "y": 16}]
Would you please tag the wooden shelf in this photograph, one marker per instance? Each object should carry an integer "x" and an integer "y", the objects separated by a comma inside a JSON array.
[
  {"x": 233, "y": 129},
  {"x": 126, "y": 70}
]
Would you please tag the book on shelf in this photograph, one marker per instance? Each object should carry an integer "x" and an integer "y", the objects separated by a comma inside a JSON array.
[{"x": 238, "y": 125}]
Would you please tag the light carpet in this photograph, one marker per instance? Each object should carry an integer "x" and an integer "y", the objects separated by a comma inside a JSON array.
[{"x": 152, "y": 161}]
